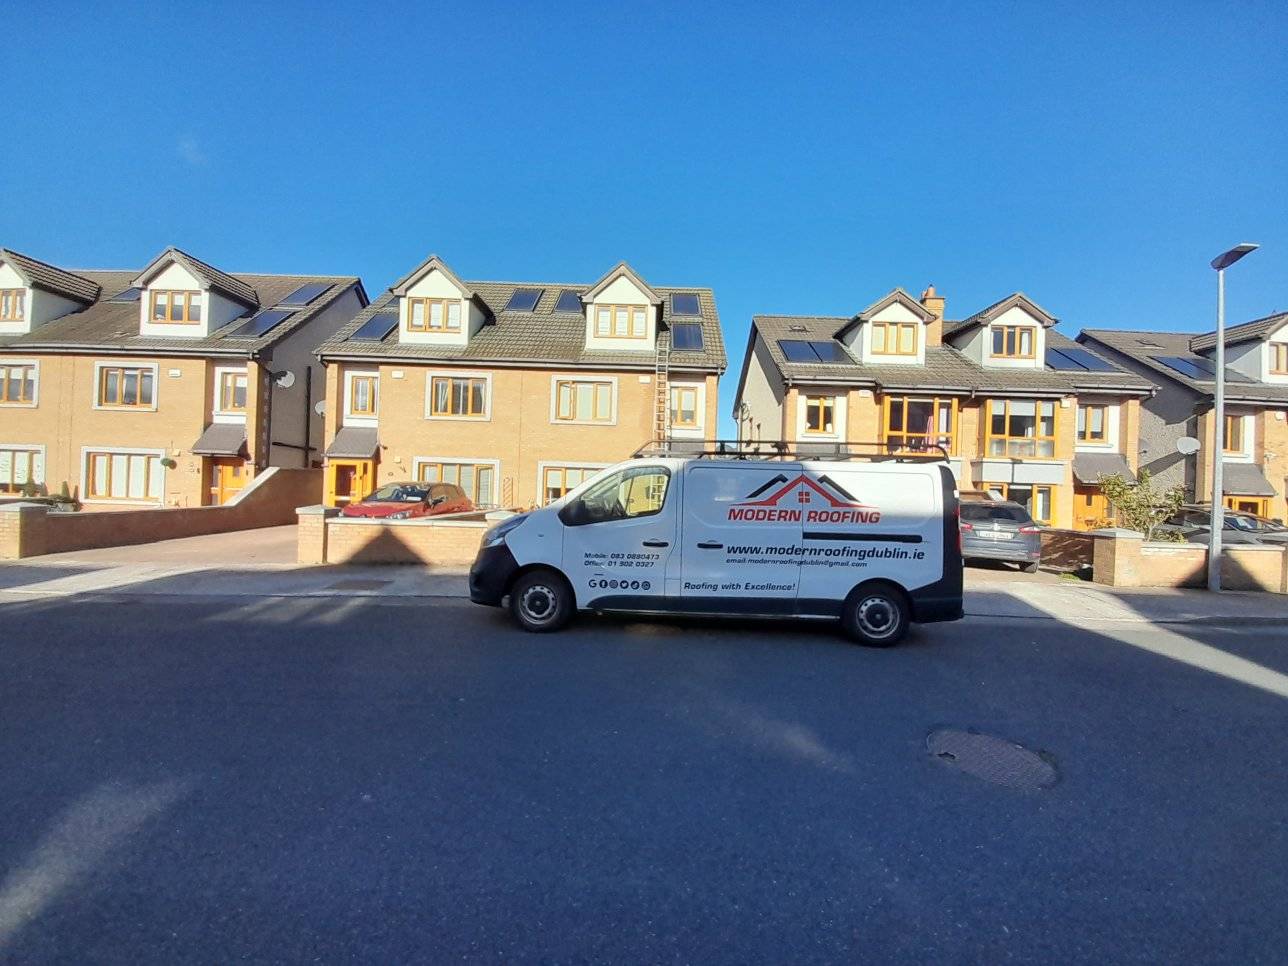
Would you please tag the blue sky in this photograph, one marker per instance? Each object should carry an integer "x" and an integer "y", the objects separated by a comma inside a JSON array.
[{"x": 796, "y": 158}]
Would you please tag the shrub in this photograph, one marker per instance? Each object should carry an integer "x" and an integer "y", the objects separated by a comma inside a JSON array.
[{"x": 1141, "y": 506}]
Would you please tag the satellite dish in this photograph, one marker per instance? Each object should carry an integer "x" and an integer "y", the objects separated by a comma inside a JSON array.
[
  {"x": 319, "y": 407},
  {"x": 286, "y": 379},
  {"x": 1187, "y": 446}
]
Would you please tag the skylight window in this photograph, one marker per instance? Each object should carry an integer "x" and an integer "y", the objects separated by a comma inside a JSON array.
[
  {"x": 305, "y": 294},
  {"x": 376, "y": 328},
  {"x": 129, "y": 295},
  {"x": 524, "y": 300},
  {"x": 686, "y": 336},
  {"x": 569, "y": 301},
  {"x": 685, "y": 303},
  {"x": 797, "y": 350},
  {"x": 261, "y": 323}
]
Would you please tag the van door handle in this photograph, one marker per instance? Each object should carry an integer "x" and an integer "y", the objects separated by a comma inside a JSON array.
[
  {"x": 657, "y": 543},
  {"x": 708, "y": 545}
]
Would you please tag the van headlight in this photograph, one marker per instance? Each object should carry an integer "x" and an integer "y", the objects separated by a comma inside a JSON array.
[{"x": 497, "y": 533}]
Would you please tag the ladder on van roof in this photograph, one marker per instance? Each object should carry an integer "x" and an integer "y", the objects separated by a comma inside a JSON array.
[{"x": 732, "y": 449}]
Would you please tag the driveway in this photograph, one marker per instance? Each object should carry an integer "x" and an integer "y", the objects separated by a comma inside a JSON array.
[{"x": 412, "y": 780}]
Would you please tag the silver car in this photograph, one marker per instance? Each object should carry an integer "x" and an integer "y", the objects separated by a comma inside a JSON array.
[{"x": 1000, "y": 530}]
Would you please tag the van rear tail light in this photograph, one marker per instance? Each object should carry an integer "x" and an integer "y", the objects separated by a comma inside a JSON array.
[{"x": 967, "y": 526}]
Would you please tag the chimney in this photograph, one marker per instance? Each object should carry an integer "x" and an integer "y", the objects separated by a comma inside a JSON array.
[{"x": 933, "y": 302}]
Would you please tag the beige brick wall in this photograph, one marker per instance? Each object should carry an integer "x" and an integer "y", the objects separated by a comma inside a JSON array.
[
  {"x": 415, "y": 542},
  {"x": 1272, "y": 452},
  {"x": 65, "y": 421},
  {"x": 519, "y": 433}
]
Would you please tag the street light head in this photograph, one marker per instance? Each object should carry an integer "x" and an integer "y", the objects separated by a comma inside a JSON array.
[{"x": 1226, "y": 259}]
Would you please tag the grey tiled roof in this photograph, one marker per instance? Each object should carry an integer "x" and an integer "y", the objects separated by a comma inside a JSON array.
[
  {"x": 221, "y": 439},
  {"x": 1145, "y": 348},
  {"x": 234, "y": 288},
  {"x": 1091, "y": 468},
  {"x": 1244, "y": 479},
  {"x": 540, "y": 337},
  {"x": 50, "y": 278},
  {"x": 354, "y": 442},
  {"x": 1256, "y": 329},
  {"x": 945, "y": 368},
  {"x": 108, "y": 326}
]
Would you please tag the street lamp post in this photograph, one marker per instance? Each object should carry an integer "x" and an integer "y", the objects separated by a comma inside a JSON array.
[{"x": 1220, "y": 263}]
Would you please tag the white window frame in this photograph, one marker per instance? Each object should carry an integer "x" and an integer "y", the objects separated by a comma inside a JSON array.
[
  {"x": 30, "y": 448},
  {"x": 581, "y": 377},
  {"x": 225, "y": 415},
  {"x": 543, "y": 465},
  {"x": 35, "y": 383},
  {"x": 129, "y": 451},
  {"x": 347, "y": 418},
  {"x": 458, "y": 374},
  {"x": 494, "y": 498},
  {"x": 127, "y": 364}
]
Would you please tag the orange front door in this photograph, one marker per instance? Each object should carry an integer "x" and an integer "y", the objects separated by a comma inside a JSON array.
[
  {"x": 227, "y": 478},
  {"x": 349, "y": 481},
  {"x": 1091, "y": 509}
]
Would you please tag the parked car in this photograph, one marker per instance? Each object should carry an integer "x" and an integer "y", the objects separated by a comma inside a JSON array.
[
  {"x": 1194, "y": 523},
  {"x": 1001, "y": 530},
  {"x": 405, "y": 500}
]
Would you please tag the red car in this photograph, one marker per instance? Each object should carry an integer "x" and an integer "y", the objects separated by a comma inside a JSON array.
[{"x": 403, "y": 501}]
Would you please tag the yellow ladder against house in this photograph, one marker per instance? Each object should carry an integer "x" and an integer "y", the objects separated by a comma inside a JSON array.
[{"x": 662, "y": 389}]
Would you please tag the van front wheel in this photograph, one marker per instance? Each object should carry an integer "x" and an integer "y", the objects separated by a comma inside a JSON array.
[
  {"x": 876, "y": 615},
  {"x": 541, "y": 601}
]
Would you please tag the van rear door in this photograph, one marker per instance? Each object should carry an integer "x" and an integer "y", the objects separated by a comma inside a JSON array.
[{"x": 740, "y": 537}]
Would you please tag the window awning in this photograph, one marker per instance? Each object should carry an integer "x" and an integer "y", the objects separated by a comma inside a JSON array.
[
  {"x": 354, "y": 443},
  {"x": 222, "y": 439},
  {"x": 1091, "y": 468},
  {"x": 1244, "y": 479}
]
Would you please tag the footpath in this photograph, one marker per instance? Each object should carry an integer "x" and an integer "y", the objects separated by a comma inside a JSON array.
[{"x": 989, "y": 594}]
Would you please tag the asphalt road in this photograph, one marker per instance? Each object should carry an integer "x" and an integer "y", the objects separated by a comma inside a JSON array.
[{"x": 311, "y": 780}]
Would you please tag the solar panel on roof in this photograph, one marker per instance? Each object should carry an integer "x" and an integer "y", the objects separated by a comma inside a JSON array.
[
  {"x": 1197, "y": 368},
  {"x": 1070, "y": 359},
  {"x": 524, "y": 300},
  {"x": 686, "y": 336},
  {"x": 129, "y": 295},
  {"x": 261, "y": 322},
  {"x": 798, "y": 351},
  {"x": 684, "y": 304},
  {"x": 305, "y": 294},
  {"x": 376, "y": 328},
  {"x": 569, "y": 301}
]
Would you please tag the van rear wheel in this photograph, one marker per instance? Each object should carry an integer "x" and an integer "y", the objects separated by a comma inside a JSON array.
[
  {"x": 876, "y": 615},
  {"x": 541, "y": 601}
]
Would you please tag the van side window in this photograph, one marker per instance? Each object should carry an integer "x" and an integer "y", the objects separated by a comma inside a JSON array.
[{"x": 636, "y": 492}]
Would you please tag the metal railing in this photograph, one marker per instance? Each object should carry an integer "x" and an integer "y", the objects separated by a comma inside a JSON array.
[{"x": 732, "y": 449}]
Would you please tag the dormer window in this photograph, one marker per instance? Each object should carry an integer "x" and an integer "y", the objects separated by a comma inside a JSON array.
[
  {"x": 12, "y": 303},
  {"x": 433, "y": 315},
  {"x": 621, "y": 321},
  {"x": 178, "y": 307},
  {"x": 894, "y": 338},
  {"x": 1279, "y": 358},
  {"x": 1014, "y": 341}
]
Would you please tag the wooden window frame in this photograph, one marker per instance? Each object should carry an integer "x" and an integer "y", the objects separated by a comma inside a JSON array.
[
  {"x": 226, "y": 398},
  {"x": 1234, "y": 427},
  {"x": 596, "y": 386},
  {"x": 13, "y": 304},
  {"x": 679, "y": 392},
  {"x": 612, "y": 310},
  {"x": 8, "y": 486},
  {"x": 373, "y": 378},
  {"x": 1005, "y": 490},
  {"x": 822, "y": 404},
  {"x": 1084, "y": 431},
  {"x": 33, "y": 371},
  {"x": 907, "y": 439},
  {"x": 895, "y": 329},
  {"x": 428, "y": 325},
  {"x": 100, "y": 389},
  {"x": 436, "y": 413},
  {"x": 170, "y": 293},
  {"x": 92, "y": 495},
  {"x": 1008, "y": 440},
  {"x": 1011, "y": 340},
  {"x": 1279, "y": 358},
  {"x": 421, "y": 464},
  {"x": 562, "y": 469}
]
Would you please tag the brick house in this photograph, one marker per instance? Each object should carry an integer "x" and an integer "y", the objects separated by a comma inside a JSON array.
[
  {"x": 1022, "y": 411},
  {"x": 167, "y": 386},
  {"x": 515, "y": 390},
  {"x": 1255, "y": 470}
]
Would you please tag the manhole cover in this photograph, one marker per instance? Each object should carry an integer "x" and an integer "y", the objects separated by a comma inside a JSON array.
[
  {"x": 358, "y": 585},
  {"x": 991, "y": 758}
]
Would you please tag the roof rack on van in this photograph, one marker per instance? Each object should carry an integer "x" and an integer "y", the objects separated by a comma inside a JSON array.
[{"x": 731, "y": 449}]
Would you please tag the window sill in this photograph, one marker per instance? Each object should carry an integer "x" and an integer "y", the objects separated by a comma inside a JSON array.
[
  {"x": 18, "y": 405},
  {"x": 487, "y": 418},
  {"x": 583, "y": 422},
  {"x": 125, "y": 409}
]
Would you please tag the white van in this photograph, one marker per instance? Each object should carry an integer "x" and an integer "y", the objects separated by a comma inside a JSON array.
[{"x": 874, "y": 543}]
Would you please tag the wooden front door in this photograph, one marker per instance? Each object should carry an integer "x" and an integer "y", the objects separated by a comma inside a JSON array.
[
  {"x": 1091, "y": 509},
  {"x": 1256, "y": 505},
  {"x": 228, "y": 476},
  {"x": 349, "y": 481}
]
